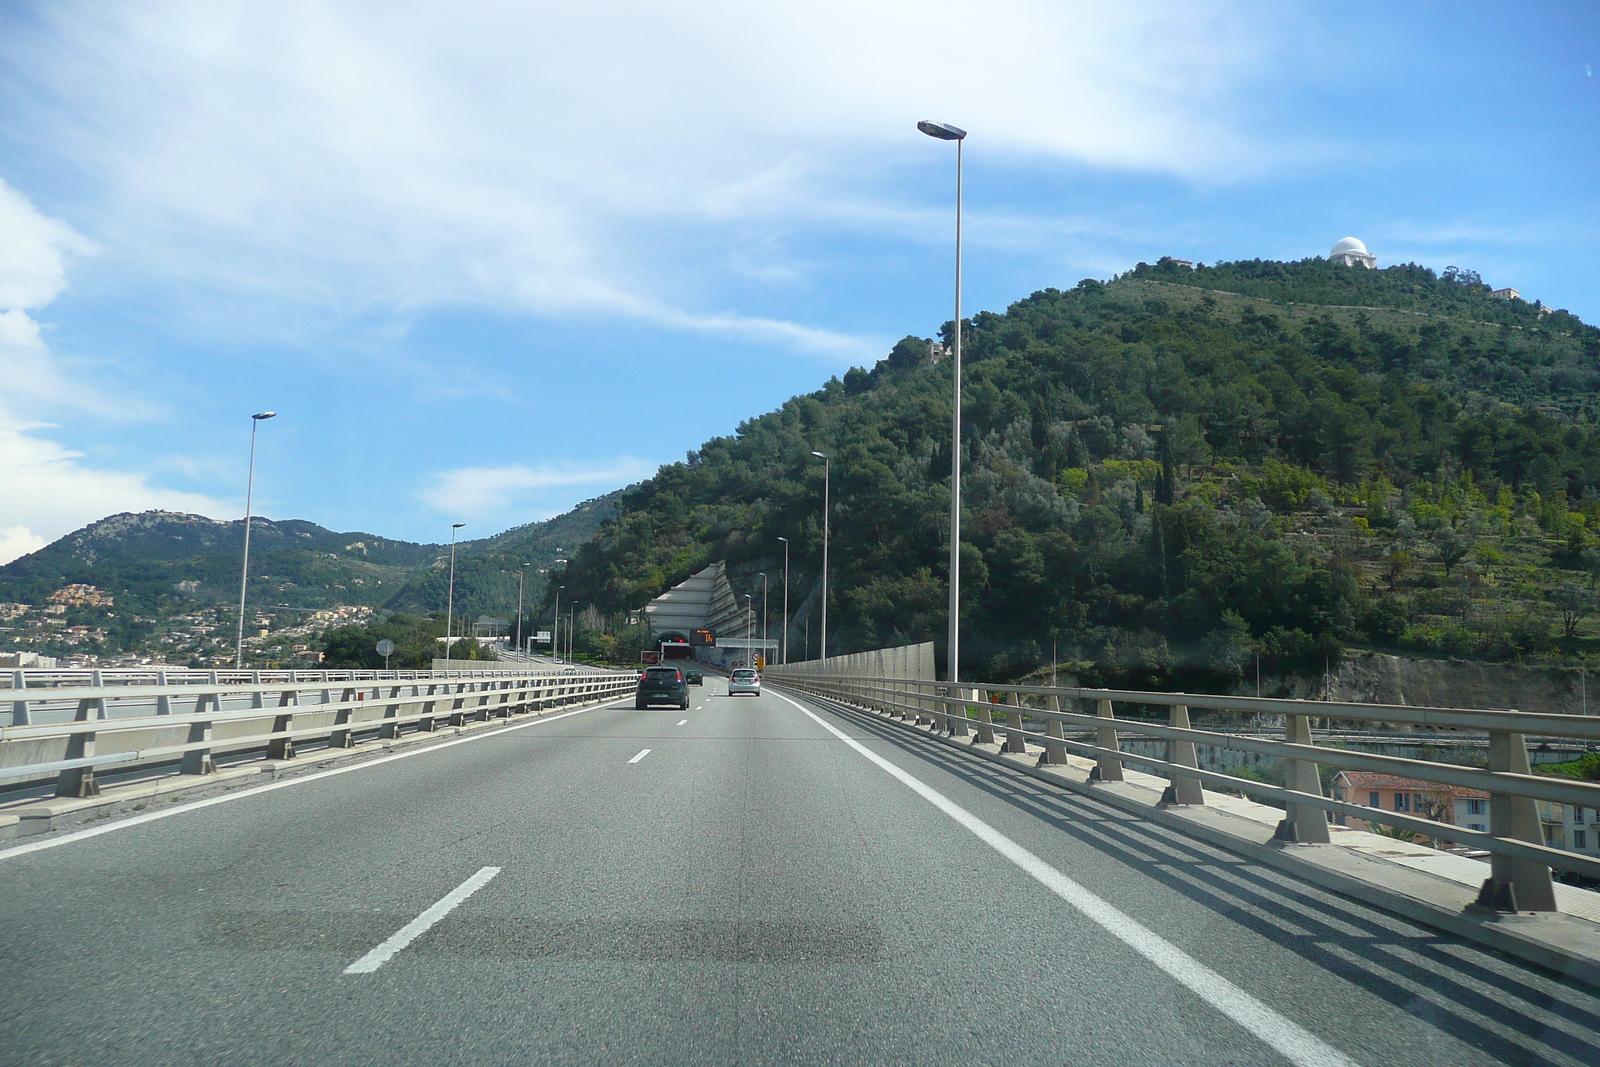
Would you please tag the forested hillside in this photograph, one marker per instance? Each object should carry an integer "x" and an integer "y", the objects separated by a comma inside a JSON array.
[{"x": 1172, "y": 472}]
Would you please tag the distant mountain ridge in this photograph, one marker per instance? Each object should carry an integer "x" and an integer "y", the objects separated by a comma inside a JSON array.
[{"x": 157, "y": 562}]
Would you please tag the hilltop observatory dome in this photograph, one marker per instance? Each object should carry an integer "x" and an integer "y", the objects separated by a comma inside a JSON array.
[{"x": 1352, "y": 253}]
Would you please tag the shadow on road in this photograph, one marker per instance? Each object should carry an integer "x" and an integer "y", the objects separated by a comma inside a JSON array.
[{"x": 1516, "y": 1012}]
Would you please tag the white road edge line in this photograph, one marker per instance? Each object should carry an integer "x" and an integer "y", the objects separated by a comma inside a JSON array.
[
  {"x": 419, "y": 926},
  {"x": 1296, "y": 1043},
  {"x": 196, "y": 805},
  {"x": 682, "y": 721},
  {"x": 642, "y": 754}
]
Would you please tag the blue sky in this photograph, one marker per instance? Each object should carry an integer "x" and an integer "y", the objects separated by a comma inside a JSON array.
[{"x": 492, "y": 258}]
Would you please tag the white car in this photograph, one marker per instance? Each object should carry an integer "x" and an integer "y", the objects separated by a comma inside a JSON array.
[{"x": 744, "y": 680}]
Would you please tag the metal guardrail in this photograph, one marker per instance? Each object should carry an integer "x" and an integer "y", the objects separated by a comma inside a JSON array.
[
  {"x": 126, "y": 721},
  {"x": 1520, "y": 862},
  {"x": 48, "y": 678}
]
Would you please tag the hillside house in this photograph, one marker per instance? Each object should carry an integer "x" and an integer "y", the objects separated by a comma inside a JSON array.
[{"x": 1453, "y": 805}]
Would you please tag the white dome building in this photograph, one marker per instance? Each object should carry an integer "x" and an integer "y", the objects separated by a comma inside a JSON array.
[{"x": 1352, "y": 253}]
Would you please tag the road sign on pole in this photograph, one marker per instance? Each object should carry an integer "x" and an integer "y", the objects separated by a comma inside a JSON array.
[{"x": 385, "y": 648}]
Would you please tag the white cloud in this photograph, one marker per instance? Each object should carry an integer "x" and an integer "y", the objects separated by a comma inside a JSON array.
[
  {"x": 42, "y": 481},
  {"x": 489, "y": 491},
  {"x": 549, "y": 157},
  {"x": 47, "y": 486},
  {"x": 18, "y": 541},
  {"x": 37, "y": 250}
]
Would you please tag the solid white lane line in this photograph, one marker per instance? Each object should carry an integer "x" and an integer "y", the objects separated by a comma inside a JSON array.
[
  {"x": 418, "y": 926},
  {"x": 682, "y": 721},
  {"x": 196, "y": 805},
  {"x": 1295, "y": 1042},
  {"x": 642, "y": 754}
]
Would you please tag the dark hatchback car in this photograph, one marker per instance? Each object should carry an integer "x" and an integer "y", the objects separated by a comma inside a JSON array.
[
  {"x": 661, "y": 685},
  {"x": 694, "y": 677}
]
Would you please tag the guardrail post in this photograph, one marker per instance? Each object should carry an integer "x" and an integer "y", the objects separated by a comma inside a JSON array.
[
  {"x": 457, "y": 716},
  {"x": 1014, "y": 741},
  {"x": 163, "y": 702},
  {"x": 341, "y": 737},
  {"x": 1106, "y": 768},
  {"x": 390, "y": 730},
  {"x": 80, "y": 781},
  {"x": 1054, "y": 755},
  {"x": 985, "y": 735},
  {"x": 426, "y": 723},
  {"x": 924, "y": 705},
  {"x": 281, "y": 747},
  {"x": 19, "y": 708},
  {"x": 956, "y": 714},
  {"x": 198, "y": 760},
  {"x": 1303, "y": 824},
  {"x": 1514, "y": 884},
  {"x": 1184, "y": 789}
]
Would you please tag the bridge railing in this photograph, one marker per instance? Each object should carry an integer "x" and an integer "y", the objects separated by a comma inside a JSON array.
[
  {"x": 69, "y": 731},
  {"x": 1520, "y": 861}
]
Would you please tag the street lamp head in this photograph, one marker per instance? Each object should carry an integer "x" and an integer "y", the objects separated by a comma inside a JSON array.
[
  {"x": 457, "y": 525},
  {"x": 942, "y": 130},
  {"x": 819, "y": 455},
  {"x": 264, "y": 415},
  {"x": 785, "y": 540}
]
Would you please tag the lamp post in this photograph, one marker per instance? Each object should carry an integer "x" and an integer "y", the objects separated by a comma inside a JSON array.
[
  {"x": 555, "y": 636},
  {"x": 555, "y": 632},
  {"x": 946, "y": 132},
  {"x": 572, "y": 628},
  {"x": 522, "y": 578},
  {"x": 764, "y": 630},
  {"x": 244, "y": 571},
  {"x": 785, "y": 541},
  {"x": 827, "y": 488},
  {"x": 450, "y": 600},
  {"x": 749, "y": 621}
]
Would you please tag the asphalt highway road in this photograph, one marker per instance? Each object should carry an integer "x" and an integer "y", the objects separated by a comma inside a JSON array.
[{"x": 734, "y": 884}]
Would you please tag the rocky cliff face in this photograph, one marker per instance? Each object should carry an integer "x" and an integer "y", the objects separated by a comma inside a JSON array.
[{"x": 1372, "y": 677}]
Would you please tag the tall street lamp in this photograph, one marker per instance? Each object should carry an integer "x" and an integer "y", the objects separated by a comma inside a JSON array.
[
  {"x": 244, "y": 571},
  {"x": 785, "y": 541},
  {"x": 749, "y": 621},
  {"x": 555, "y": 636},
  {"x": 764, "y": 630},
  {"x": 450, "y": 599},
  {"x": 555, "y": 632},
  {"x": 946, "y": 132},
  {"x": 522, "y": 577},
  {"x": 827, "y": 486}
]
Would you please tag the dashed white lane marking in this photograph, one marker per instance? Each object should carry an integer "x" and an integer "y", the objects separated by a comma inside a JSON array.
[
  {"x": 643, "y": 752},
  {"x": 682, "y": 721},
  {"x": 418, "y": 926},
  {"x": 196, "y": 805},
  {"x": 1296, "y": 1043}
]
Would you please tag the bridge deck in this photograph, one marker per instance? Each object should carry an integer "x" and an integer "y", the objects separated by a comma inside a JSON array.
[{"x": 734, "y": 884}]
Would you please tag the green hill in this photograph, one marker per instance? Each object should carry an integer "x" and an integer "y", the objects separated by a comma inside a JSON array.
[{"x": 1172, "y": 472}]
